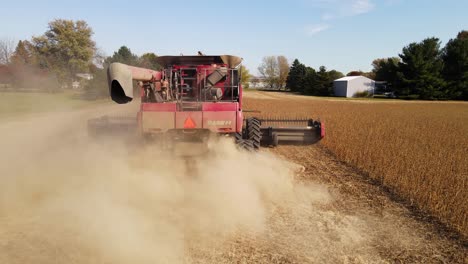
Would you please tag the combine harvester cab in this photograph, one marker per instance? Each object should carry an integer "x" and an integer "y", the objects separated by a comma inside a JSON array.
[{"x": 192, "y": 98}]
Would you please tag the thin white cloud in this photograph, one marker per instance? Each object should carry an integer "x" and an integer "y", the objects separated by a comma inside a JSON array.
[
  {"x": 336, "y": 9},
  {"x": 315, "y": 29},
  {"x": 361, "y": 7}
]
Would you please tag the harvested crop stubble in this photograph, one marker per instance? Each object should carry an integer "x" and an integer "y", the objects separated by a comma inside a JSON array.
[{"x": 417, "y": 149}]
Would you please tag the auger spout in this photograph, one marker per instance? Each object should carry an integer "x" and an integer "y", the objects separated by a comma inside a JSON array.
[{"x": 120, "y": 80}]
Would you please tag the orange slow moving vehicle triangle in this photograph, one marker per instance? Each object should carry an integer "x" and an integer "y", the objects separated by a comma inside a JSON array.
[{"x": 189, "y": 123}]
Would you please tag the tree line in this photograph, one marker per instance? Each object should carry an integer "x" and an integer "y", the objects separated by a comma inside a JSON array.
[
  {"x": 276, "y": 73},
  {"x": 306, "y": 80},
  {"x": 52, "y": 60},
  {"x": 424, "y": 70}
]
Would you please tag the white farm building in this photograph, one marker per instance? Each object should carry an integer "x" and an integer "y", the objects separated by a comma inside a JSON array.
[{"x": 350, "y": 85}]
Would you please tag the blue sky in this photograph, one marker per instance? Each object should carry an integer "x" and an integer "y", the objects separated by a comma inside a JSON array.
[{"x": 341, "y": 34}]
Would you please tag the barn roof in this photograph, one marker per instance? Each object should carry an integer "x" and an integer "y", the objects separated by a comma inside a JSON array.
[{"x": 348, "y": 78}]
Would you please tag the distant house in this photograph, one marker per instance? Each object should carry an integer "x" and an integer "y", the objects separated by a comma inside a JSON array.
[
  {"x": 84, "y": 77},
  {"x": 350, "y": 85},
  {"x": 257, "y": 82}
]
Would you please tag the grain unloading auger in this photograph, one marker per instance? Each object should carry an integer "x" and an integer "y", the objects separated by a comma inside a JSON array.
[{"x": 191, "y": 98}]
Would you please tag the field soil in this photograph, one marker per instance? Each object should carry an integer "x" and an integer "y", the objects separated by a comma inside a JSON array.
[{"x": 68, "y": 198}]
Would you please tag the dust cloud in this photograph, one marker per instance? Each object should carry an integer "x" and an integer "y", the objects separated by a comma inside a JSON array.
[{"x": 65, "y": 198}]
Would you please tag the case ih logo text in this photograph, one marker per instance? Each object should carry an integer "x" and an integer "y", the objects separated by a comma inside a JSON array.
[{"x": 219, "y": 122}]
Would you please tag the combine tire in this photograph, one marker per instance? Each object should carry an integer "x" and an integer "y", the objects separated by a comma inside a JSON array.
[
  {"x": 245, "y": 144},
  {"x": 253, "y": 131},
  {"x": 238, "y": 137}
]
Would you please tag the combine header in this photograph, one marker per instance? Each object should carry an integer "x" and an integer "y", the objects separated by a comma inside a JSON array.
[{"x": 194, "y": 97}]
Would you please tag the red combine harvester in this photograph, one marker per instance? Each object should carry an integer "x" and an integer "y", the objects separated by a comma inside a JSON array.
[{"x": 194, "y": 97}]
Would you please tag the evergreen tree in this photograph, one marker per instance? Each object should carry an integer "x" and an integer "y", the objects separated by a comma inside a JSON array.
[
  {"x": 455, "y": 57},
  {"x": 296, "y": 77},
  {"x": 421, "y": 68},
  {"x": 310, "y": 82},
  {"x": 386, "y": 69},
  {"x": 123, "y": 55},
  {"x": 323, "y": 82}
]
